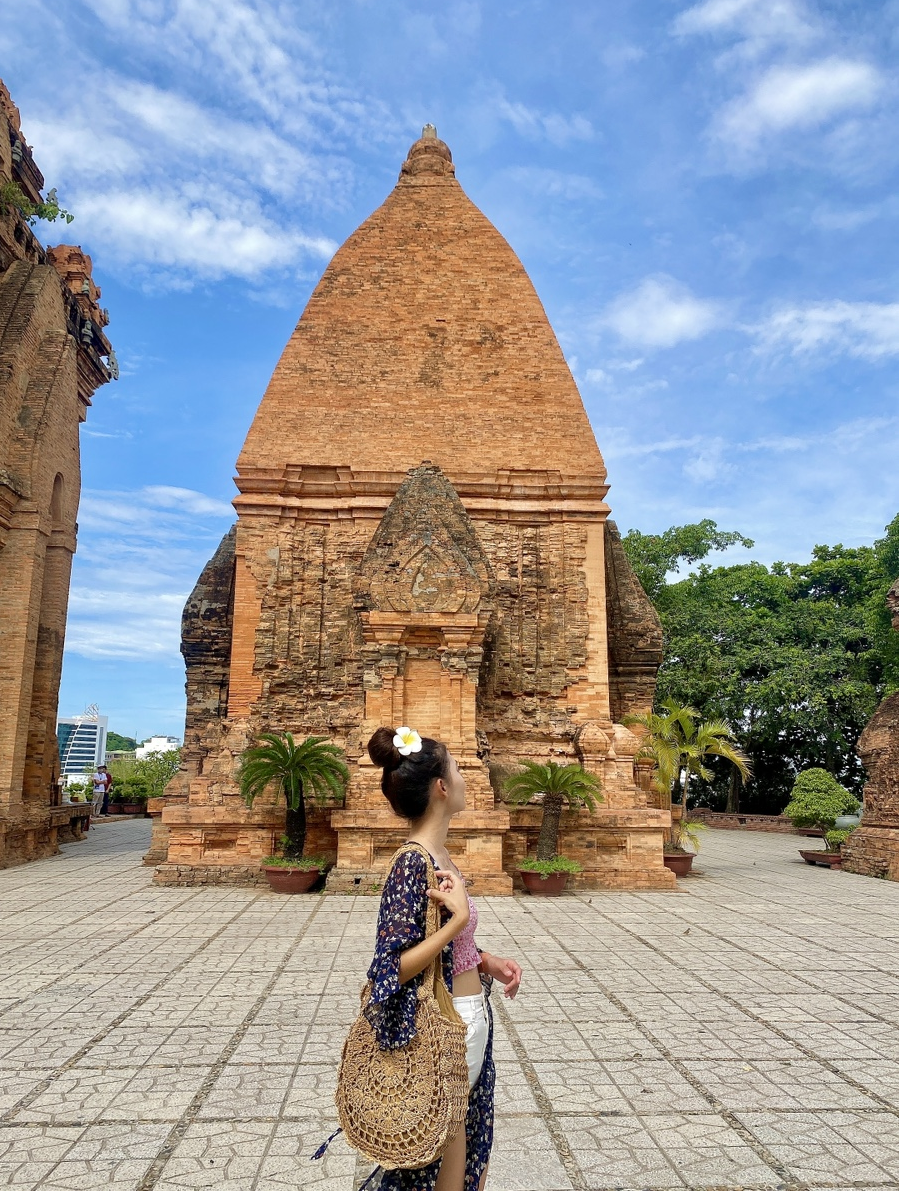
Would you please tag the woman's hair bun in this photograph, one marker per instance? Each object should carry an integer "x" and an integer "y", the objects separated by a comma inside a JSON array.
[{"x": 383, "y": 751}]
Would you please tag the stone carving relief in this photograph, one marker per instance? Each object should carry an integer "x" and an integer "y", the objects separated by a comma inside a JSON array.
[{"x": 425, "y": 555}]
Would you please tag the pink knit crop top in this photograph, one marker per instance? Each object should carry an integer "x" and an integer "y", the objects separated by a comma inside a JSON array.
[{"x": 465, "y": 954}]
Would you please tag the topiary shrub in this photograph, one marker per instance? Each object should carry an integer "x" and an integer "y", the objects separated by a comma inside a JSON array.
[{"x": 817, "y": 800}]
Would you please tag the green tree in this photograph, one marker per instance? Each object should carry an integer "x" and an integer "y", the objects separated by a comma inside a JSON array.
[
  {"x": 297, "y": 771},
  {"x": 885, "y": 638},
  {"x": 817, "y": 800},
  {"x": 795, "y": 657},
  {"x": 144, "y": 777},
  {"x": 157, "y": 770},
  {"x": 681, "y": 747},
  {"x": 120, "y": 744},
  {"x": 560, "y": 785},
  {"x": 656, "y": 555}
]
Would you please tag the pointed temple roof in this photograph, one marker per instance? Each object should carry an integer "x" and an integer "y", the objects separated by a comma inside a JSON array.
[{"x": 424, "y": 339}]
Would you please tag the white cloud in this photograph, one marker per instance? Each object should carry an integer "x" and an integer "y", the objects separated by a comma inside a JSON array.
[
  {"x": 621, "y": 55},
  {"x": 751, "y": 474},
  {"x": 555, "y": 184},
  {"x": 256, "y": 47},
  {"x": 186, "y": 499},
  {"x": 661, "y": 312},
  {"x": 868, "y": 330},
  {"x": 116, "y": 624},
  {"x": 797, "y": 97},
  {"x": 536, "y": 125},
  {"x": 224, "y": 164},
  {"x": 203, "y": 234},
  {"x": 709, "y": 462},
  {"x": 139, "y": 555},
  {"x": 758, "y": 21},
  {"x": 618, "y": 441}
]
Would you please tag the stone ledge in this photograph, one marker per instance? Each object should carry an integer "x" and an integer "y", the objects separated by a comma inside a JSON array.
[
  {"x": 209, "y": 874},
  {"x": 738, "y": 822}
]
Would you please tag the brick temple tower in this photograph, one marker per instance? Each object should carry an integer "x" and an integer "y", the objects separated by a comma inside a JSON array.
[
  {"x": 422, "y": 538},
  {"x": 54, "y": 354}
]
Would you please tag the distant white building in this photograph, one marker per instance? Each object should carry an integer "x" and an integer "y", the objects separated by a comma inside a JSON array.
[
  {"x": 157, "y": 744},
  {"x": 82, "y": 743}
]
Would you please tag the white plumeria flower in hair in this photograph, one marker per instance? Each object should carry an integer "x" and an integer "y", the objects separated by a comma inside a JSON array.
[{"x": 407, "y": 741}]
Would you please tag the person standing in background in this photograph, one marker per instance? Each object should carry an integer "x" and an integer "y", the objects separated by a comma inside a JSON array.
[
  {"x": 109, "y": 784},
  {"x": 100, "y": 782}
]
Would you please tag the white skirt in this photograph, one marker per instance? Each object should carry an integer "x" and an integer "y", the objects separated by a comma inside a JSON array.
[{"x": 473, "y": 1011}]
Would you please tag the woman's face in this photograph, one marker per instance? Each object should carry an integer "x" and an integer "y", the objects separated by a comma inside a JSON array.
[{"x": 455, "y": 786}]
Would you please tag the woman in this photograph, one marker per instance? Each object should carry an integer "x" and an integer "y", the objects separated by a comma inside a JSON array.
[{"x": 423, "y": 784}]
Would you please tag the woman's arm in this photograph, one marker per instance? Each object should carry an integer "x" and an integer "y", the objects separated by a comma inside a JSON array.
[
  {"x": 452, "y": 895},
  {"x": 506, "y": 971}
]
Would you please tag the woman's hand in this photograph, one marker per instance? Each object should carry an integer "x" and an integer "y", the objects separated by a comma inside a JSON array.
[
  {"x": 451, "y": 894},
  {"x": 506, "y": 971}
]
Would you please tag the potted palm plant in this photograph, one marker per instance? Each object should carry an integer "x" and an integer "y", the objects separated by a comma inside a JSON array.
[
  {"x": 680, "y": 747},
  {"x": 683, "y": 845},
  {"x": 313, "y": 769},
  {"x": 817, "y": 800},
  {"x": 557, "y": 787}
]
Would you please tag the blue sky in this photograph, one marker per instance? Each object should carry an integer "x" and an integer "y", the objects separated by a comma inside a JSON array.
[{"x": 704, "y": 197}]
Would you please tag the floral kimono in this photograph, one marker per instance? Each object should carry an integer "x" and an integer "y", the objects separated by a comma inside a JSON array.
[{"x": 391, "y": 1011}]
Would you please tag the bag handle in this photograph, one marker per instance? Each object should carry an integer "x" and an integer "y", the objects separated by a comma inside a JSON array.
[{"x": 434, "y": 970}]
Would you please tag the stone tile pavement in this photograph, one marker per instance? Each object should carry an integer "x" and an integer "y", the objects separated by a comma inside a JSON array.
[{"x": 741, "y": 1033}]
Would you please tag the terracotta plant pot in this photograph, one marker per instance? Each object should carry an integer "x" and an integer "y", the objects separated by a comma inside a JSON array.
[
  {"x": 680, "y": 863},
  {"x": 826, "y": 859},
  {"x": 549, "y": 886},
  {"x": 132, "y": 808},
  {"x": 291, "y": 880}
]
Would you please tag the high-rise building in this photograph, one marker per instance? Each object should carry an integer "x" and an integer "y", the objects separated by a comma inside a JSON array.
[{"x": 82, "y": 743}]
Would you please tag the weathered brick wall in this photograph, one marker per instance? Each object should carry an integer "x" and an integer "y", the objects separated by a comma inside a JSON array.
[
  {"x": 206, "y": 625},
  {"x": 635, "y": 634},
  {"x": 51, "y": 342},
  {"x": 873, "y": 848}
]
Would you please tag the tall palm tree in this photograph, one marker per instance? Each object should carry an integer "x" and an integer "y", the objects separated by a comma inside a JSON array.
[
  {"x": 313, "y": 768},
  {"x": 680, "y": 746},
  {"x": 560, "y": 785}
]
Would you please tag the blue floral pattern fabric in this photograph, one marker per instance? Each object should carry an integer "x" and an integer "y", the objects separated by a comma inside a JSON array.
[
  {"x": 391, "y": 1011},
  {"x": 401, "y": 924}
]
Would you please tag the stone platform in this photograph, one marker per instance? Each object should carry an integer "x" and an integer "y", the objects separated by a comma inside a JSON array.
[{"x": 740, "y": 1033}]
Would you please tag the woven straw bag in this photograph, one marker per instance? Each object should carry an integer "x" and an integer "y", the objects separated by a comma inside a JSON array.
[{"x": 400, "y": 1108}]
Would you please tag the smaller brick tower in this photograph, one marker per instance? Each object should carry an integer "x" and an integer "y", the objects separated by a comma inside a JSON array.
[{"x": 53, "y": 356}]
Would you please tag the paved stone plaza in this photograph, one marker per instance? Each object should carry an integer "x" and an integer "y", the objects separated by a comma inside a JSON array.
[{"x": 742, "y": 1033}]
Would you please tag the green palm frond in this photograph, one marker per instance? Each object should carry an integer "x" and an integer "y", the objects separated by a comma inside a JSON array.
[
  {"x": 572, "y": 782},
  {"x": 313, "y": 768},
  {"x": 676, "y": 742}
]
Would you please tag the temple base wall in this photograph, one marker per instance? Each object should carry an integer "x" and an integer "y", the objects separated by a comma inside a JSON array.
[
  {"x": 618, "y": 849},
  {"x": 214, "y": 841},
  {"x": 369, "y": 838},
  {"x": 873, "y": 848},
  {"x": 873, "y": 852}
]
